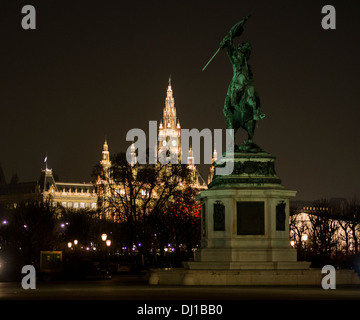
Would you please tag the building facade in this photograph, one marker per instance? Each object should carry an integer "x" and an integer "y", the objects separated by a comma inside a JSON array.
[
  {"x": 59, "y": 194},
  {"x": 87, "y": 195}
]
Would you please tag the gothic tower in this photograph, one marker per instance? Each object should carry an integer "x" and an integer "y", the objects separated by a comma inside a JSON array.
[
  {"x": 105, "y": 159},
  {"x": 169, "y": 129}
]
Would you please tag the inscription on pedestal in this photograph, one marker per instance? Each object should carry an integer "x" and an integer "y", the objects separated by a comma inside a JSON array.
[
  {"x": 250, "y": 218},
  {"x": 219, "y": 216},
  {"x": 280, "y": 216}
]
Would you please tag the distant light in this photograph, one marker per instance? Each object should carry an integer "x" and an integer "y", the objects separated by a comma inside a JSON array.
[
  {"x": 76, "y": 242},
  {"x": 69, "y": 244},
  {"x": 87, "y": 248},
  {"x": 172, "y": 249},
  {"x": 62, "y": 225},
  {"x": 292, "y": 243},
  {"x": 4, "y": 222},
  {"x": 25, "y": 226},
  {"x": 108, "y": 243},
  {"x": 139, "y": 244},
  {"x": 104, "y": 237},
  {"x": 169, "y": 245},
  {"x": 304, "y": 237},
  {"x": 166, "y": 249}
]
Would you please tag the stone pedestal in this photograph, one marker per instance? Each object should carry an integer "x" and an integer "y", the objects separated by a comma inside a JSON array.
[
  {"x": 245, "y": 232},
  {"x": 245, "y": 218}
]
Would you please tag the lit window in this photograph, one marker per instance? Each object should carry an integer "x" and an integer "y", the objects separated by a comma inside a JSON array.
[
  {"x": 82, "y": 204},
  {"x": 93, "y": 205},
  {"x": 54, "y": 204},
  {"x": 63, "y": 204},
  {"x": 70, "y": 204},
  {"x": 76, "y": 205}
]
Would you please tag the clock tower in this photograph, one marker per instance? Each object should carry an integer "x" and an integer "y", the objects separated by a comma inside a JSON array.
[{"x": 169, "y": 143}]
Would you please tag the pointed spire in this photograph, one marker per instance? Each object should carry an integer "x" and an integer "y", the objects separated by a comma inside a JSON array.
[
  {"x": 169, "y": 117},
  {"x": 105, "y": 159},
  {"x": 170, "y": 126},
  {"x": 105, "y": 146}
]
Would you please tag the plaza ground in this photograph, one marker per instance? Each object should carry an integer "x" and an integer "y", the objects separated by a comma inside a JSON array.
[{"x": 132, "y": 287}]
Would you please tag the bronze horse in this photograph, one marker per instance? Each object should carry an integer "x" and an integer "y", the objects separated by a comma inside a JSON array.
[{"x": 242, "y": 103}]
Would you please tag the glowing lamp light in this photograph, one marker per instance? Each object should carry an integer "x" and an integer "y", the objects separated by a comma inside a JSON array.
[
  {"x": 69, "y": 244},
  {"x": 292, "y": 243},
  {"x": 104, "y": 237},
  {"x": 304, "y": 237},
  {"x": 76, "y": 242},
  {"x": 108, "y": 243}
]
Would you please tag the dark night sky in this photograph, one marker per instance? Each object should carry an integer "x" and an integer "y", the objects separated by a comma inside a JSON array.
[{"x": 96, "y": 68}]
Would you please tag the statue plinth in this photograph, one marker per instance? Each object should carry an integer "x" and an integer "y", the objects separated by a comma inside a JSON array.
[
  {"x": 250, "y": 170},
  {"x": 245, "y": 218},
  {"x": 245, "y": 232}
]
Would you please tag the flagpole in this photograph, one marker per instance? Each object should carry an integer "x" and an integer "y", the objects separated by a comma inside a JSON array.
[
  {"x": 45, "y": 160},
  {"x": 211, "y": 59}
]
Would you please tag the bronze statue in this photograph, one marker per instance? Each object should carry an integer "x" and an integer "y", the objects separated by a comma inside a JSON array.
[{"x": 242, "y": 103}]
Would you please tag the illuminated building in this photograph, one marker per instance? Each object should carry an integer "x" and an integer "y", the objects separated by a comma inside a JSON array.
[
  {"x": 59, "y": 194},
  {"x": 169, "y": 145}
]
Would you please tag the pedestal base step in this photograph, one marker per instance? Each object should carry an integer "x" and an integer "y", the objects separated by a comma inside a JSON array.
[
  {"x": 248, "y": 265},
  {"x": 182, "y": 276}
]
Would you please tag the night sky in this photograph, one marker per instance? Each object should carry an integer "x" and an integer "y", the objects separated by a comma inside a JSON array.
[{"x": 100, "y": 68}]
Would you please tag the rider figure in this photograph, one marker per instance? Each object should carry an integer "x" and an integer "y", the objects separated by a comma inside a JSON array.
[{"x": 241, "y": 90}]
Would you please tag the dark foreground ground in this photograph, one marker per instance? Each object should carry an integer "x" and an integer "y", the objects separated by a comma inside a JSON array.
[
  {"x": 131, "y": 287},
  {"x": 130, "y": 297}
]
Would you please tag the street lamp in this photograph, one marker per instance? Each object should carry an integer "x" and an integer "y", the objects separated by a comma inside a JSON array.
[
  {"x": 304, "y": 239},
  {"x": 76, "y": 242},
  {"x": 107, "y": 243},
  {"x": 292, "y": 243},
  {"x": 69, "y": 245}
]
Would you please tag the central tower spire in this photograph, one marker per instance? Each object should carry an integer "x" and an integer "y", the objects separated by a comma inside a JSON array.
[
  {"x": 169, "y": 128},
  {"x": 169, "y": 114}
]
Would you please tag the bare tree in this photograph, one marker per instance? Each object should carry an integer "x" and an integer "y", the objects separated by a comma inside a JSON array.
[
  {"x": 323, "y": 228},
  {"x": 350, "y": 216},
  {"x": 132, "y": 194},
  {"x": 298, "y": 227}
]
